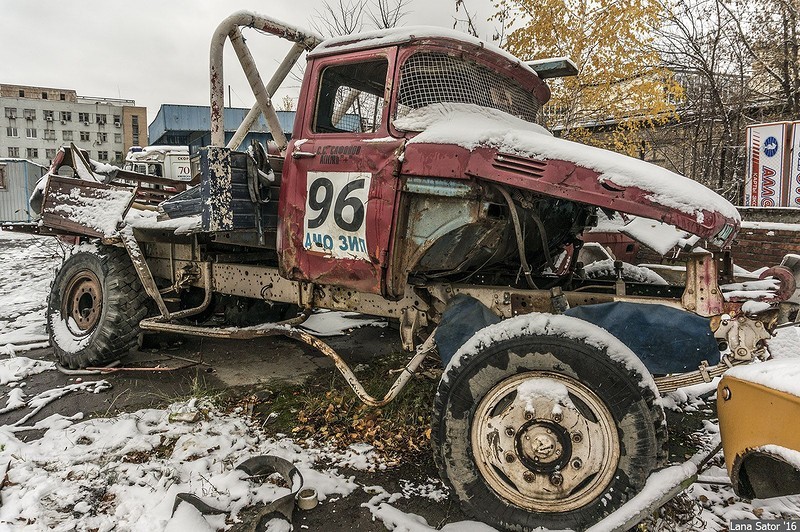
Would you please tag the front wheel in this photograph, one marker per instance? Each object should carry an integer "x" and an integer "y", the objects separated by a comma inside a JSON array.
[
  {"x": 546, "y": 421},
  {"x": 95, "y": 306}
]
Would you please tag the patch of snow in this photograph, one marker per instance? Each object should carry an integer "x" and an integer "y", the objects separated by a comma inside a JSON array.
[
  {"x": 691, "y": 398},
  {"x": 779, "y": 374},
  {"x": 48, "y": 477},
  {"x": 143, "y": 219},
  {"x": 17, "y": 368},
  {"x": 790, "y": 456},
  {"x": 550, "y": 390},
  {"x": 774, "y": 226},
  {"x": 334, "y": 323},
  {"x": 657, "y": 486},
  {"x": 754, "y": 307},
  {"x": 630, "y": 272},
  {"x": 27, "y": 268},
  {"x": 785, "y": 343},
  {"x": 388, "y": 37},
  {"x": 380, "y": 506},
  {"x": 658, "y": 236},
  {"x": 102, "y": 211},
  {"x": 471, "y": 126}
]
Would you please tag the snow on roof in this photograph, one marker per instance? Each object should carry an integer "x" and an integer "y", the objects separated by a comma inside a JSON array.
[
  {"x": 394, "y": 36},
  {"x": 471, "y": 126},
  {"x": 19, "y": 160}
]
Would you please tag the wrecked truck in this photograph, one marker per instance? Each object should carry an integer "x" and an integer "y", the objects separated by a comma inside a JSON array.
[{"x": 420, "y": 186}]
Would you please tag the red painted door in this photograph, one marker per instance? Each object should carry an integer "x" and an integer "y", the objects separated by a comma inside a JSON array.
[{"x": 340, "y": 179}]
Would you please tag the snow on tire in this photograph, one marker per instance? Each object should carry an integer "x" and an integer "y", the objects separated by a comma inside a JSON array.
[
  {"x": 95, "y": 306},
  {"x": 546, "y": 421}
]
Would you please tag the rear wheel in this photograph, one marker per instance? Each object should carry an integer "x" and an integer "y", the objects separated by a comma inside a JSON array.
[
  {"x": 95, "y": 306},
  {"x": 533, "y": 429}
]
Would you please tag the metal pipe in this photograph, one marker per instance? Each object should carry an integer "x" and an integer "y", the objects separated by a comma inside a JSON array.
[
  {"x": 286, "y": 329},
  {"x": 217, "y": 86},
  {"x": 277, "y": 78},
  {"x": 257, "y": 86}
]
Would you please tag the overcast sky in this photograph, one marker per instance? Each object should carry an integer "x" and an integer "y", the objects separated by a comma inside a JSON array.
[{"x": 156, "y": 52}]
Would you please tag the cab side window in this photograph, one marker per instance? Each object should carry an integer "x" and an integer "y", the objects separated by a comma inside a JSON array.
[{"x": 351, "y": 98}]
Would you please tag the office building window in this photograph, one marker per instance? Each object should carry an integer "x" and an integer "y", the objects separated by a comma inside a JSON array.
[
  {"x": 66, "y": 135},
  {"x": 33, "y": 153},
  {"x": 83, "y": 117},
  {"x": 49, "y": 134},
  {"x": 66, "y": 116},
  {"x": 13, "y": 152},
  {"x": 48, "y": 115},
  {"x": 11, "y": 112},
  {"x": 84, "y": 135},
  {"x": 63, "y": 96},
  {"x": 21, "y": 93},
  {"x": 11, "y": 131},
  {"x": 30, "y": 132},
  {"x": 102, "y": 137},
  {"x": 101, "y": 119},
  {"x": 118, "y": 156},
  {"x": 102, "y": 155},
  {"x": 29, "y": 114},
  {"x": 117, "y": 137},
  {"x": 117, "y": 120},
  {"x": 44, "y": 95}
]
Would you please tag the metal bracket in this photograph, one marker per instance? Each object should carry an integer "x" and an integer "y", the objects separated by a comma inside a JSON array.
[
  {"x": 744, "y": 337},
  {"x": 412, "y": 321},
  {"x": 702, "y": 294}
]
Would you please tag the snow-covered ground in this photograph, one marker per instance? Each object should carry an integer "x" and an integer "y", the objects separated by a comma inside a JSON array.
[{"x": 122, "y": 473}]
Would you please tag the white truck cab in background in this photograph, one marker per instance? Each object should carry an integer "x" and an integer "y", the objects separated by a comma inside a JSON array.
[{"x": 170, "y": 162}]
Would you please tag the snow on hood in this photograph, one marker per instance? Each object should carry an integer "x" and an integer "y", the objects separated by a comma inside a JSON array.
[{"x": 471, "y": 126}]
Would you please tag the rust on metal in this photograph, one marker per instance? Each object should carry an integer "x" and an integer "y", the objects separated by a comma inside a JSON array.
[
  {"x": 702, "y": 294},
  {"x": 71, "y": 205}
]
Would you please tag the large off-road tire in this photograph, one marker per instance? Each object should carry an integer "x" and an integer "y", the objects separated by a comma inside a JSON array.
[
  {"x": 95, "y": 306},
  {"x": 546, "y": 421}
]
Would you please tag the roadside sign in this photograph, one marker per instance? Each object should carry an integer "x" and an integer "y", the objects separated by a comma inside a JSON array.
[
  {"x": 794, "y": 167},
  {"x": 766, "y": 181}
]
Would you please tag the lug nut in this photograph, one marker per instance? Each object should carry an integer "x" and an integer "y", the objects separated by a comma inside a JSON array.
[
  {"x": 557, "y": 418},
  {"x": 577, "y": 464},
  {"x": 509, "y": 431},
  {"x": 528, "y": 476},
  {"x": 556, "y": 479},
  {"x": 510, "y": 458},
  {"x": 528, "y": 416},
  {"x": 577, "y": 437}
]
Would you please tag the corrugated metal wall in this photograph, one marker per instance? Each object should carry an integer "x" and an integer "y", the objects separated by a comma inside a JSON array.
[{"x": 20, "y": 179}]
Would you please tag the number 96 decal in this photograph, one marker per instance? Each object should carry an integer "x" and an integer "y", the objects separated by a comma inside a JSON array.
[{"x": 336, "y": 209}]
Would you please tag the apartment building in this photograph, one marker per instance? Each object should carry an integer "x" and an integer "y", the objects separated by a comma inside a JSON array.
[{"x": 36, "y": 121}]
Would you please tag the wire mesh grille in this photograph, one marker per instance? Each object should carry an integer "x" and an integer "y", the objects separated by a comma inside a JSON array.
[{"x": 429, "y": 77}]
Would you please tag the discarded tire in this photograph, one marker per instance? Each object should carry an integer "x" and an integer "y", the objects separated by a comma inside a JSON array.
[
  {"x": 95, "y": 306},
  {"x": 537, "y": 429}
]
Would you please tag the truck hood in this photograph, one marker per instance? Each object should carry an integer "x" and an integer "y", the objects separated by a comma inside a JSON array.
[{"x": 495, "y": 146}]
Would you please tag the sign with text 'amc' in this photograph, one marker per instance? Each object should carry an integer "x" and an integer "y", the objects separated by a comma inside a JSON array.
[{"x": 773, "y": 165}]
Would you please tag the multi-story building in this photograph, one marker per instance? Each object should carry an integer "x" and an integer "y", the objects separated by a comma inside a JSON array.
[{"x": 36, "y": 121}]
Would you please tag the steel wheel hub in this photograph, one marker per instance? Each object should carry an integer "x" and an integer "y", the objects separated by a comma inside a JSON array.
[
  {"x": 82, "y": 303},
  {"x": 545, "y": 442}
]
